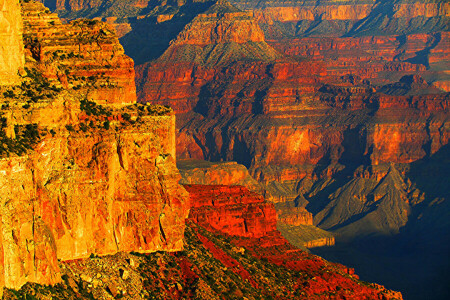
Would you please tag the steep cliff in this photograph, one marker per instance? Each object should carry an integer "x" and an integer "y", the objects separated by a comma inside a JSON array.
[
  {"x": 83, "y": 55},
  {"x": 11, "y": 45},
  {"x": 202, "y": 51},
  {"x": 328, "y": 18},
  {"x": 293, "y": 221},
  {"x": 339, "y": 92},
  {"x": 99, "y": 192},
  {"x": 233, "y": 210},
  {"x": 81, "y": 178},
  {"x": 212, "y": 266}
]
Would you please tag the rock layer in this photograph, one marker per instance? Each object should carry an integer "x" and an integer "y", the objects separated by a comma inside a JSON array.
[
  {"x": 83, "y": 194},
  {"x": 222, "y": 173},
  {"x": 83, "y": 55},
  {"x": 233, "y": 210}
]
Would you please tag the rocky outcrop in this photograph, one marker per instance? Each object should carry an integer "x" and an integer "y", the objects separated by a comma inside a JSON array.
[
  {"x": 294, "y": 216},
  {"x": 351, "y": 84},
  {"x": 81, "y": 178},
  {"x": 294, "y": 221},
  {"x": 221, "y": 173},
  {"x": 83, "y": 55},
  {"x": 212, "y": 40},
  {"x": 233, "y": 210},
  {"x": 247, "y": 267},
  {"x": 11, "y": 47},
  {"x": 221, "y": 23},
  {"x": 306, "y": 236},
  {"x": 79, "y": 193}
]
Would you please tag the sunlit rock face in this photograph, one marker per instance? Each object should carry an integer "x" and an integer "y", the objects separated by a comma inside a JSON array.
[
  {"x": 11, "y": 47},
  {"x": 84, "y": 49},
  {"x": 233, "y": 210},
  {"x": 99, "y": 192},
  {"x": 87, "y": 177}
]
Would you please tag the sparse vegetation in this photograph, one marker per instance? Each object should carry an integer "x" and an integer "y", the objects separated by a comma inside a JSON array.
[
  {"x": 91, "y": 108},
  {"x": 26, "y": 137},
  {"x": 34, "y": 88}
]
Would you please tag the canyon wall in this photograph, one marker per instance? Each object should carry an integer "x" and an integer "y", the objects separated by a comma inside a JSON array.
[
  {"x": 11, "y": 46},
  {"x": 308, "y": 118},
  {"x": 83, "y": 55},
  {"x": 98, "y": 193},
  {"x": 233, "y": 210},
  {"x": 78, "y": 177},
  {"x": 331, "y": 110}
]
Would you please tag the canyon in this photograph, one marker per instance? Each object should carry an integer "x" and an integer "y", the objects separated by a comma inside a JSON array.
[
  {"x": 90, "y": 187},
  {"x": 335, "y": 113}
]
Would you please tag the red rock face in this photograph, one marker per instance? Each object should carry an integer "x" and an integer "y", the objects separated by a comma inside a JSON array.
[
  {"x": 211, "y": 28},
  {"x": 108, "y": 193},
  {"x": 283, "y": 108},
  {"x": 233, "y": 210}
]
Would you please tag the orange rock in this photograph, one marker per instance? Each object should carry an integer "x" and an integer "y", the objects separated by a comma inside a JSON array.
[
  {"x": 85, "y": 188},
  {"x": 294, "y": 216},
  {"x": 12, "y": 57},
  {"x": 233, "y": 210},
  {"x": 85, "y": 54}
]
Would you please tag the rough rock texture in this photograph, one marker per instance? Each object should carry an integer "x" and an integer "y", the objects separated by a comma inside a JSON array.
[
  {"x": 221, "y": 173},
  {"x": 347, "y": 89},
  {"x": 294, "y": 216},
  {"x": 252, "y": 268},
  {"x": 222, "y": 23},
  {"x": 83, "y": 55},
  {"x": 301, "y": 126},
  {"x": 12, "y": 58},
  {"x": 79, "y": 178},
  {"x": 295, "y": 222},
  {"x": 233, "y": 210},
  {"x": 328, "y": 18},
  {"x": 98, "y": 193}
]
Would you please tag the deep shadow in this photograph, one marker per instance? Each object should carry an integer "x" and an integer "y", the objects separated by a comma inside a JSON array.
[
  {"x": 422, "y": 55},
  {"x": 416, "y": 261},
  {"x": 354, "y": 143},
  {"x": 51, "y": 4},
  {"x": 149, "y": 38}
]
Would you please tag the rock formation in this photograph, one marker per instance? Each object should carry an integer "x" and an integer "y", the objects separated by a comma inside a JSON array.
[
  {"x": 83, "y": 55},
  {"x": 81, "y": 178},
  {"x": 212, "y": 266},
  {"x": 294, "y": 222},
  {"x": 233, "y": 210},
  {"x": 329, "y": 105},
  {"x": 11, "y": 47},
  {"x": 217, "y": 173}
]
